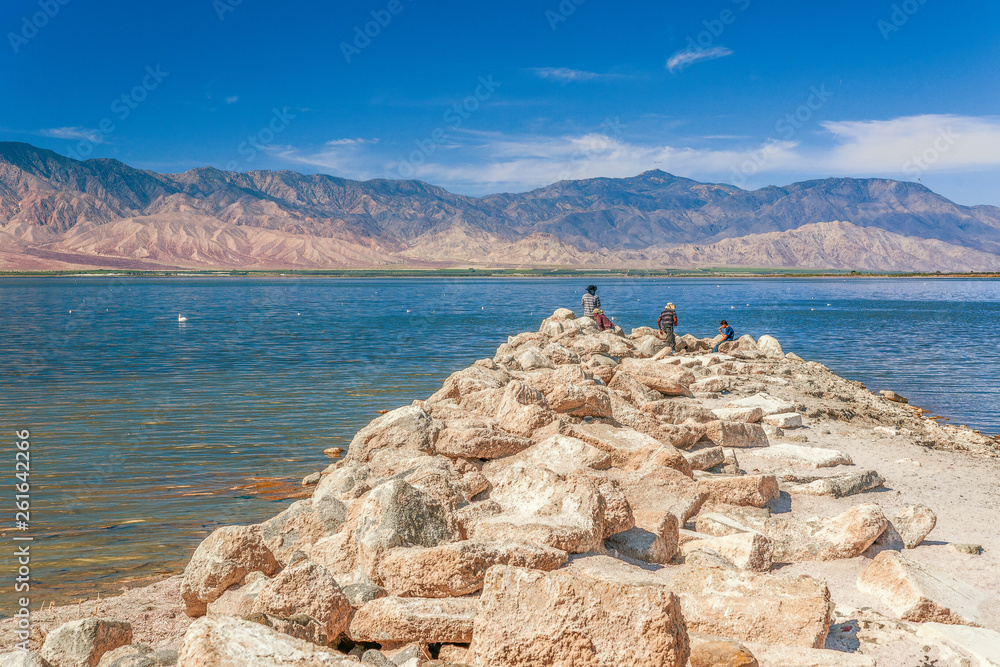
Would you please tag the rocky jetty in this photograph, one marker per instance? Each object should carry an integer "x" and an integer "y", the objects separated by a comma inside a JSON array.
[{"x": 588, "y": 498}]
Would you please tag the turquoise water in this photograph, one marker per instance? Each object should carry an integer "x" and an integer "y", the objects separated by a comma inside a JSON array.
[{"x": 146, "y": 433}]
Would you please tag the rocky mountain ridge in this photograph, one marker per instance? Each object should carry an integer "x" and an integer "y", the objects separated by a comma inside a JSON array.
[{"x": 56, "y": 212}]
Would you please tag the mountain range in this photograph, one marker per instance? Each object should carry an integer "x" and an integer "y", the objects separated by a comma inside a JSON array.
[{"x": 59, "y": 213}]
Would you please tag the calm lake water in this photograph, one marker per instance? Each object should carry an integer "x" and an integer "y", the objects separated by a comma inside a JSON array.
[{"x": 147, "y": 433}]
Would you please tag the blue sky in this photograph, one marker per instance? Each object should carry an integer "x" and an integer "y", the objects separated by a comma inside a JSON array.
[{"x": 491, "y": 97}]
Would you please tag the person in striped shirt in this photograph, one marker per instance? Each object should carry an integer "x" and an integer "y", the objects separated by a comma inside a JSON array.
[{"x": 590, "y": 301}]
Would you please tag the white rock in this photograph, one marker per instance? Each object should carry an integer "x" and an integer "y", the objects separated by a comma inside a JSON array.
[
  {"x": 981, "y": 643},
  {"x": 784, "y": 420},
  {"x": 750, "y": 415},
  {"x": 769, "y": 405},
  {"x": 812, "y": 457}
]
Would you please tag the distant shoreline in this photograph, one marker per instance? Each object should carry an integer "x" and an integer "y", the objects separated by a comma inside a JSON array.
[{"x": 492, "y": 273}]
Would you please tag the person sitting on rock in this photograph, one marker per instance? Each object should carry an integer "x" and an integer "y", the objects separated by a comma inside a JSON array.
[
  {"x": 603, "y": 323},
  {"x": 666, "y": 323},
  {"x": 590, "y": 301},
  {"x": 726, "y": 333}
]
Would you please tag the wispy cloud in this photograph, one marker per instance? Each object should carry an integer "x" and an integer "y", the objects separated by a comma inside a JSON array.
[
  {"x": 232, "y": 99},
  {"x": 478, "y": 162},
  {"x": 564, "y": 74},
  {"x": 687, "y": 57},
  {"x": 72, "y": 133}
]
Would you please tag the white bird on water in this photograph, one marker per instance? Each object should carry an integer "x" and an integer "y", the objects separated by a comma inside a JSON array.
[{"x": 181, "y": 318}]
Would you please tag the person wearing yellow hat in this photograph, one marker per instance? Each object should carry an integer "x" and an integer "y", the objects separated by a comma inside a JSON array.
[{"x": 666, "y": 323}]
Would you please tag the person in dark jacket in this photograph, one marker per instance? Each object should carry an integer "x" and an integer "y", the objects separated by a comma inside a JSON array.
[{"x": 666, "y": 323}]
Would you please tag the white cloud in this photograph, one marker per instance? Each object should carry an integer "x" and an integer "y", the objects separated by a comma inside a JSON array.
[
  {"x": 73, "y": 134},
  {"x": 687, "y": 57},
  {"x": 232, "y": 99},
  {"x": 563, "y": 74},
  {"x": 475, "y": 162}
]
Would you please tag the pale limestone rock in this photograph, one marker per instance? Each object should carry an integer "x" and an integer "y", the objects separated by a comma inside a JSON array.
[
  {"x": 132, "y": 655},
  {"x": 560, "y": 454},
  {"x": 396, "y": 514},
  {"x": 306, "y": 588},
  {"x": 303, "y": 523},
  {"x": 981, "y": 643},
  {"x": 454, "y": 654},
  {"x": 222, "y": 559},
  {"x": 770, "y": 346},
  {"x": 469, "y": 380},
  {"x": 238, "y": 600},
  {"x": 82, "y": 643},
  {"x": 628, "y": 448},
  {"x": 19, "y": 658},
  {"x": 711, "y": 385},
  {"x": 754, "y": 606},
  {"x": 523, "y": 409},
  {"x": 774, "y": 655},
  {"x": 784, "y": 420},
  {"x": 560, "y": 354},
  {"x": 678, "y": 410},
  {"x": 649, "y": 346},
  {"x": 705, "y": 458},
  {"x": 838, "y": 485},
  {"x": 598, "y": 611},
  {"x": 428, "y": 620},
  {"x": 708, "y": 651},
  {"x": 768, "y": 404},
  {"x": 893, "y": 396},
  {"x": 456, "y": 569},
  {"x": 750, "y": 415},
  {"x": 747, "y": 550},
  {"x": 735, "y": 434},
  {"x": 653, "y": 538},
  {"x": 719, "y": 525},
  {"x": 409, "y": 428},
  {"x": 632, "y": 390},
  {"x": 918, "y": 592},
  {"x": 810, "y": 457},
  {"x": 753, "y": 490},
  {"x": 478, "y": 439},
  {"x": 231, "y": 642},
  {"x": 539, "y": 506},
  {"x": 338, "y": 554},
  {"x": 914, "y": 523},
  {"x": 844, "y": 536},
  {"x": 664, "y": 376},
  {"x": 531, "y": 358},
  {"x": 659, "y": 489},
  {"x": 678, "y": 435},
  {"x": 617, "y": 510}
]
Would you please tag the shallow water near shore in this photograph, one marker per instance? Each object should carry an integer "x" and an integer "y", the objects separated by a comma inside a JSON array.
[{"x": 147, "y": 433}]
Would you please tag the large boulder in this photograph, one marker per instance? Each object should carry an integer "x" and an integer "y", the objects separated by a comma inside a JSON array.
[
  {"x": 746, "y": 550},
  {"x": 306, "y": 589},
  {"x": 913, "y": 524},
  {"x": 458, "y": 568},
  {"x": 302, "y": 524},
  {"x": 770, "y": 346},
  {"x": 408, "y": 428},
  {"x": 751, "y": 490},
  {"x": 769, "y": 405},
  {"x": 918, "y": 592},
  {"x": 598, "y": 611},
  {"x": 478, "y": 439},
  {"x": 523, "y": 409},
  {"x": 653, "y": 538},
  {"x": 396, "y": 514},
  {"x": 678, "y": 411},
  {"x": 838, "y": 485},
  {"x": 222, "y": 559},
  {"x": 754, "y": 606},
  {"x": 425, "y": 620},
  {"x": 632, "y": 390},
  {"x": 628, "y": 448},
  {"x": 230, "y": 642},
  {"x": 844, "y": 536},
  {"x": 750, "y": 415},
  {"x": 807, "y": 457},
  {"x": 82, "y": 643},
  {"x": 539, "y": 506},
  {"x": 735, "y": 434},
  {"x": 656, "y": 488},
  {"x": 580, "y": 401},
  {"x": 561, "y": 454}
]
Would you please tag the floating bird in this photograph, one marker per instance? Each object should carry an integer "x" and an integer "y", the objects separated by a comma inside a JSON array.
[{"x": 181, "y": 318}]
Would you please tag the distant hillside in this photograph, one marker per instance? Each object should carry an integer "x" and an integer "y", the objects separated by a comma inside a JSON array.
[{"x": 57, "y": 213}]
